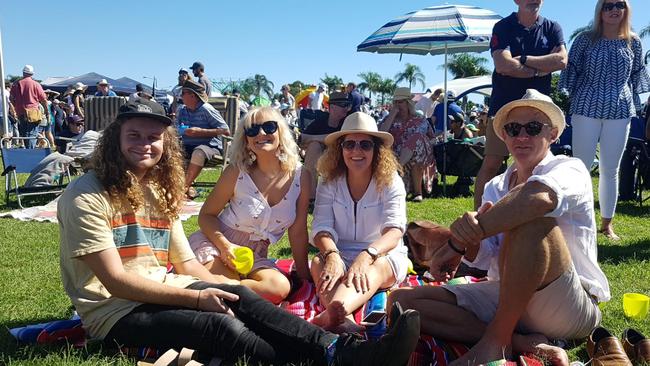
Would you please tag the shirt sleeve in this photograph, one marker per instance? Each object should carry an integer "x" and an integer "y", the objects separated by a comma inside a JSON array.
[
  {"x": 569, "y": 78},
  {"x": 639, "y": 77},
  {"x": 557, "y": 35},
  {"x": 568, "y": 179},
  {"x": 216, "y": 121},
  {"x": 179, "y": 247},
  {"x": 85, "y": 219},
  {"x": 324, "y": 211},
  {"x": 395, "y": 206},
  {"x": 500, "y": 39}
]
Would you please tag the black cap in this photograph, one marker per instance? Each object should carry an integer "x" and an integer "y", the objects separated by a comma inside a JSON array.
[
  {"x": 197, "y": 65},
  {"x": 143, "y": 108}
]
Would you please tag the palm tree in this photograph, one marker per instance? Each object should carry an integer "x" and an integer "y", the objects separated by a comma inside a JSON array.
[
  {"x": 386, "y": 87},
  {"x": 371, "y": 82},
  {"x": 333, "y": 82},
  {"x": 579, "y": 30},
  {"x": 464, "y": 65},
  {"x": 296, "y": 87},
  {"x": 412, "y": 74},
  {"x": 645, "y": 31},
  {"x": 259, "y": 84}
]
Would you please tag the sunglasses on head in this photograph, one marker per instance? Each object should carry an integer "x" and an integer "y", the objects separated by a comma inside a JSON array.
[
  {"x": 620, "y": 5},
  {"x": 532, "y": 128},
  {"x": 365, "y": 145},
  {"x": 269, "y": 128}
]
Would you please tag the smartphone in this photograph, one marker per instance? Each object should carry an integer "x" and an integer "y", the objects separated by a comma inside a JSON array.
[{"x": 373, "y": 318}]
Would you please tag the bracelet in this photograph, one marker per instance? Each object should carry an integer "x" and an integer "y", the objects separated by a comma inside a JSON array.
[
  {"x": 198, "y": 298},
  {"x": 455, "y": 248},
  {"x": 327, "y": 253}
]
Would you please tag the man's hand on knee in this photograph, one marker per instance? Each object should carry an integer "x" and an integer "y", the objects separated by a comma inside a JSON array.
[
  {"x": 212, "y": 299},
  {"x": 467, "y": 229},
  {"x": 444, "y": 263}
]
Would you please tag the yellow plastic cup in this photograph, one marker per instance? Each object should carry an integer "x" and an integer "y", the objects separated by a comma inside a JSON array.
[
  {"x": 635, "y": 306},
  {"x": 243, "y": 260}
]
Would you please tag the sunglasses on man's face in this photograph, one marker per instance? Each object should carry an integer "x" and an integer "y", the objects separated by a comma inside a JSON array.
[
  {"x": 532, "y": 128},
  {"x": 620, "y": 5},
  {"x": 269, "y": 128},
  {"x": 365, "y": 145}
]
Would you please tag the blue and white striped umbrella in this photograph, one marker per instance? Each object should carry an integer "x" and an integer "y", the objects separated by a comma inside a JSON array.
[{"x": 460, "y": 28}]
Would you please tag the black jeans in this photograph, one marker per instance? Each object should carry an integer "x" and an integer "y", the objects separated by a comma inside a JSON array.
[{"x": 261, "y": 332}]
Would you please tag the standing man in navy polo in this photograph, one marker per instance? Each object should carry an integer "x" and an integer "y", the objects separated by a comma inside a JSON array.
[
  {"x": 526, "y": 49},
  {"x": 355, "y": 98}
]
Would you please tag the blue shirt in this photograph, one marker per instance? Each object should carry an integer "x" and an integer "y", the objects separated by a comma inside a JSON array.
[
  {"x": 356, "y": 100},
  {"x": 440, "y": 110},
  {"x": 110, "y": 94},
  {"x": 205, "y": 116},
  {"x": 603, "y": 75},
  {"x": 538, "y": 40}
]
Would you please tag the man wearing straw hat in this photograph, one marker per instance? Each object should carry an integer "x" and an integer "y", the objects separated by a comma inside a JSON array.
[
  {"x": 104, "y": 89},
  {"x": 535, "y": 234},
  {"x": 26, "y": 94}
]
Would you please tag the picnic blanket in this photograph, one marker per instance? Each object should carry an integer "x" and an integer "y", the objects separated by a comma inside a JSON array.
[
  {"x": 47, "y": 213},
  {"x": 302, "y": 302}
]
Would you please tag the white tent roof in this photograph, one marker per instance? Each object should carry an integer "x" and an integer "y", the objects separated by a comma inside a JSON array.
[{"x": 476, "y": 84}]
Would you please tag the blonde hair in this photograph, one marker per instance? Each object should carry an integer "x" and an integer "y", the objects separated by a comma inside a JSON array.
[
  {"x": 384, "y": 163},
  {"x": 112, "y": 171},
  {"x": 625, "y": 28},
  {"x": 240, "y": 153}
]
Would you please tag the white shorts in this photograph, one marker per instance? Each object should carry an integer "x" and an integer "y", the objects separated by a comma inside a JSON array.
[
  {"x": 563, "y": 309},
  {"x": 398, "y": 262}
]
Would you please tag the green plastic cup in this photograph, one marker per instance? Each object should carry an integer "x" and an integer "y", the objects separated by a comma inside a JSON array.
[
  {"x": 635, "y": 306},
  {"x": 243, "y": 260}
]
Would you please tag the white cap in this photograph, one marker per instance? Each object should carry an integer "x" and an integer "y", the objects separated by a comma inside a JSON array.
[
  {"x": 323, "y": 86},
  {"x": 28, "y": 69},
  {"x": 102, "y": 82},
  {"x": 451, "y": 94}
]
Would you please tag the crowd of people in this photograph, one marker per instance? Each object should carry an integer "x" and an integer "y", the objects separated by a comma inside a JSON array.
[{"x": 533, "y": 228}]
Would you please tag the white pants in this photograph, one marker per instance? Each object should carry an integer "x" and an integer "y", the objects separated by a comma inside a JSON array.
[{"x": 612, "y": 135}]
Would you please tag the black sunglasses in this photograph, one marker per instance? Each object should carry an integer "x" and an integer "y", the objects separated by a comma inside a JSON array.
[
  {"x": 365, "y": 145},
  {"x": 620, "y": 5},
  {"x": 532, "y": 128},
  {"x": 269, "y": 128}
]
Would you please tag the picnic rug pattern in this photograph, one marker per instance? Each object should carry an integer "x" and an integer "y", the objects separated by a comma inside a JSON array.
[
  {"x": 47, "y": 213},
  {"x": 302, "y": 302}
]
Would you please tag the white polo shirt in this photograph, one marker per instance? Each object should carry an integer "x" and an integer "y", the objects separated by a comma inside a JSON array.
[{"x": 571, "y": 182}]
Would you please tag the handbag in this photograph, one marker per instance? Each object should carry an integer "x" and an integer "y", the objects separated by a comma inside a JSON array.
[{"x": 33, "y": 115}]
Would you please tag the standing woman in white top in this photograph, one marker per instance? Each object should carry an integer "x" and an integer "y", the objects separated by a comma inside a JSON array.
[
  {"x": 263, "y": 193},
  {"x": 604, "y": 73},
  {"x": 359, "y": 220}
]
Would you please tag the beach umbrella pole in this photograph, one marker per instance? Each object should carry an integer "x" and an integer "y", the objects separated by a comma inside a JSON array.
[{"x": 444, "y": 134}]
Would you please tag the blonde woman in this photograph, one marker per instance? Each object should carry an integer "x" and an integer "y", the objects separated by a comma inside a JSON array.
[
  {"x": 605, "y": 70},
  {"x": 359, "y": 220},
  {"x": 262, "y": 194}
]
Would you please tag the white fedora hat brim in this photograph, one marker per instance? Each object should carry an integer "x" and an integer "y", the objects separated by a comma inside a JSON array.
[
  {"x": 552, "y": 111},
  {"x": 360, "y": 122}
]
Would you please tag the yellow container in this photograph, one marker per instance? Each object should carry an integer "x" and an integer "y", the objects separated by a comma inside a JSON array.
[
  {"x": 635, "y": 305},
  {"x": 243, "y": 260}
]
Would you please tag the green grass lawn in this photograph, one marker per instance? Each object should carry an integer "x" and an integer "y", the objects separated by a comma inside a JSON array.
[{"x": 31, "y": 291}]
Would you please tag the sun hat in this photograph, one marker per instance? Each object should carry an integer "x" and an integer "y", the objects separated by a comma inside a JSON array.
[
  {"x": 102, "y": 82},
  {"x": 79, "y": 86},
  {"x": 50, "y": 91},
  {"x": 195, "y": 88},
  {"x": 339, "y": 98},
  {"x": 533, "y": 99},
  {"x": 402, "y": 94},
  {"x": 359, "y": 122},
  {"x": 472, "y": 127},
  {"x": 28, "y": 69},
  {"x": 143, "y": 108}
]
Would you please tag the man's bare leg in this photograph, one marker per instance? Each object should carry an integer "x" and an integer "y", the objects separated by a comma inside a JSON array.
[
  {"x": 312, "y": 153},
  {"x": 533, "y": 255},
  {"x": 440, "y": 316},
  {"x": 489, "y": 169}
]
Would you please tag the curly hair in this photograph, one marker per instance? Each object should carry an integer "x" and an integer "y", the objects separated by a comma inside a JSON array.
[
  {"x": 166, "y": 177},
  {"x": 384, "y": 163},
  {"x": 240, "y": 153}
]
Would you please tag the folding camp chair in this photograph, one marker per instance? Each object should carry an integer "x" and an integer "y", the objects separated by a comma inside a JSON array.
[{"x": 18, "y": 160}]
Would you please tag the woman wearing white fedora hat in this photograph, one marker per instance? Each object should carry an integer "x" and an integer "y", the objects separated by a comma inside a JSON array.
[{"x": 359, "y": 220}]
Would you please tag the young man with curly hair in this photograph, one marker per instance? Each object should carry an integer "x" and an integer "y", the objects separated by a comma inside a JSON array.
[{"x": 120, "y": 231}]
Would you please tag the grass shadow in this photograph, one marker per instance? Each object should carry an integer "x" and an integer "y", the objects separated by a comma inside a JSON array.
[
  {"x": 285, "y": 252},
  {"x": 638, "y": 250}
]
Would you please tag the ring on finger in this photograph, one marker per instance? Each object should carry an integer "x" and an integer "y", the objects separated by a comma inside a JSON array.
[{"x": 327, "y": 277}]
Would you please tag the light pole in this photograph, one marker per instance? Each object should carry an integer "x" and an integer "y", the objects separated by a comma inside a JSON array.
[{"x": 153, "y": 85}]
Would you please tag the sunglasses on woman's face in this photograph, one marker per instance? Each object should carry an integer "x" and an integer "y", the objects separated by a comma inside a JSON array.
[
  {"x": 620, "y": 5},
  {"x": 269, "y": 128},
  {"x": 532, "y": 128},
  {"x": 365, "y": 145}
]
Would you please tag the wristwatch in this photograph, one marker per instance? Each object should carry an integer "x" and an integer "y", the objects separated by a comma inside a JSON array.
[
  {"x": 522, "y": 59},
  {"x": 374, "y": 253}
]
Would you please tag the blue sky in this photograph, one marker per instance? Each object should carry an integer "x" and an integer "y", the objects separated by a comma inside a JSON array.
[{"x": 285, "y": 40}]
